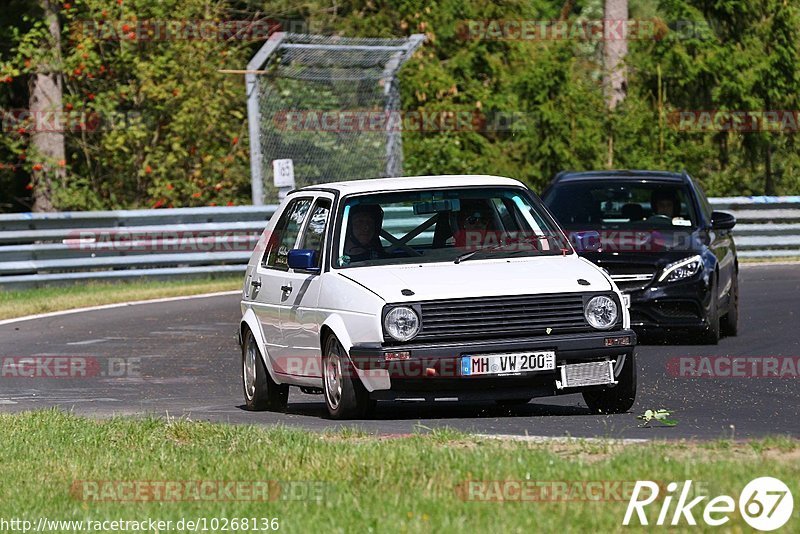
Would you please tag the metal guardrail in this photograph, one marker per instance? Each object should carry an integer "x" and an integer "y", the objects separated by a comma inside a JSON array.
[
  {"x": 766, "y": 227},
  {"x": 47, "y": 248}
]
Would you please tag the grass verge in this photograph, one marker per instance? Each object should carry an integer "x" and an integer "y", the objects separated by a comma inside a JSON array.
[
  {"x": 50, "y": 299},
  {"x": 774, "y": 259},
  {"x": 363, "y": 483}
]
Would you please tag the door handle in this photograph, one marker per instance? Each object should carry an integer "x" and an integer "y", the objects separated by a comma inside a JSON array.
[
  {"x": 286, "y": 289},
  {"x": 256, "y": 284}
]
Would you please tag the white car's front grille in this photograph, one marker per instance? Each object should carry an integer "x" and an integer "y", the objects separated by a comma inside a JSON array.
[{"x": 507, "y": 316}]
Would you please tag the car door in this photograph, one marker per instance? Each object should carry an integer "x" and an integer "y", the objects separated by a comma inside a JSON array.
[
  {"x": 721, "y": 244},
  {"x": 300, "y": 317},
  {"x": 268, "y": 278}
]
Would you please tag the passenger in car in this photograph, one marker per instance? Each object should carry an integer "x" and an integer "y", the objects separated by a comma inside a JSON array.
[{"x": 362, "y": 241}]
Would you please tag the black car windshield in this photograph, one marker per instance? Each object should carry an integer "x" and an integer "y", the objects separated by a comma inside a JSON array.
[
  {"x": 443, "y": 225},
  {"x": 616, "y": 204}
]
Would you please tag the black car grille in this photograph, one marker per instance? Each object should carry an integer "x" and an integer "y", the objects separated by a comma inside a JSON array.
[
  {"x": 509, "y": 316},
  {"x": 631, "y": 278}
]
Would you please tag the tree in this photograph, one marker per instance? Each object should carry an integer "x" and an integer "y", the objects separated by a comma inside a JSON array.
[
  {"x": 614, "y": 51},
  {"x": 46, "y": 95}
]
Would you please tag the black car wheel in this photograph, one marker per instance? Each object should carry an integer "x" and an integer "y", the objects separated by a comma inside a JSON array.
[
  {"x": 730, "y": 323},
  {"x": 345, "y": 395},
  {"x": 617, "y": 399},
  {"x": 260, "y": 391},
  {"x": 711, "y": 334}
]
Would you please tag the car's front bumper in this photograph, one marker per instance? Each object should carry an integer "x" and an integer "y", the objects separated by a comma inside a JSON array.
[
  {"x": 434, "y": 370},
  {"x": 678, "y": 306}
]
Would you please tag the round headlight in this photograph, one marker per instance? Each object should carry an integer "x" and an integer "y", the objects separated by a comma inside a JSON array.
[
  {"x": 601, "y": 312},
  {"x": 401, "y": 323}
]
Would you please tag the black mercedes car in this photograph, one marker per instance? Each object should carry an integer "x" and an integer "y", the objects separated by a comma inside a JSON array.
[{"x": 657, "y": 236}]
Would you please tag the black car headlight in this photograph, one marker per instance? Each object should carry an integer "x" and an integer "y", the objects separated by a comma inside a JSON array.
[
  {"x": 601, "y": 312},
  {"x": 682, "y": 269},
  {"x": 402, "y": 323}
]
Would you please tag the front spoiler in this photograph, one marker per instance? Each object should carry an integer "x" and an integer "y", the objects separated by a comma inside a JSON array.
[{"x": 434, "y": 369}]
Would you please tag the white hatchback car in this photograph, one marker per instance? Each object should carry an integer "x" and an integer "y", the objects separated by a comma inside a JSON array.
[{"x": 428, "y": 287}]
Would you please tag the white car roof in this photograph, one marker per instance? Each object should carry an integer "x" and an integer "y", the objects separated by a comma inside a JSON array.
[{"x": 416, "y": 182}]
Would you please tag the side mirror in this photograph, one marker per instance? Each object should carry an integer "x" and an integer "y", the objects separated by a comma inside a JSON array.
[
  {"x": 721, "y": 220},
  {"x": 303, "y": 260},
  {"x": 587, "y": 241}
]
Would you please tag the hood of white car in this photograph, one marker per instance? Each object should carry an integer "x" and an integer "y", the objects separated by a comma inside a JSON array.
[{"x": 480, "y": 278}]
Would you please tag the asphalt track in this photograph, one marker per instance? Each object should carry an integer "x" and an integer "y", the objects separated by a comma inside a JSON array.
[{"x": 184, "y": 361}]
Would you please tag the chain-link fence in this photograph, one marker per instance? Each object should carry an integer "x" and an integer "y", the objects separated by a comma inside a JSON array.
[{"x": 331, "y": 104}]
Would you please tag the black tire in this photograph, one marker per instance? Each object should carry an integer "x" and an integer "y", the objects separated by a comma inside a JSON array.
[
  {"x": 345, "y": 395},
  {"x": 512, "y": 402},
  {"x": 710, "y": 335},
  {"x": 260, "y": 391},
  {"x": 730, "y": 323},
  {"x": 617, "y": 399}
]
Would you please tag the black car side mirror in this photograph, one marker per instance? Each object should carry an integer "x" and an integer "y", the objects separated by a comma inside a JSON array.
[{"x": 721, "y": 220}]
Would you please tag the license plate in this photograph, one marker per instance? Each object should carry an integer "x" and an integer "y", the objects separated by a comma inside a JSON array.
[{"x": 507, "y": 363}]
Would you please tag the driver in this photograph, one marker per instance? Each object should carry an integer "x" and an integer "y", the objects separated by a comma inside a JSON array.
[
  {"x": 362, "y": 241},
  {"x": 473, "y": 221},
  {"x": 665, "y": 203}
]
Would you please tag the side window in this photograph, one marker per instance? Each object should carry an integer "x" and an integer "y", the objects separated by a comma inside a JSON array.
[
  {"x": 314, "y": 235},
  {"x": 704, "y": 204},
  {"x": 285, "y": 233}
]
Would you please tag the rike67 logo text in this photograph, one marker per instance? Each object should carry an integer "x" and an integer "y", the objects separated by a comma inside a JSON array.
[{"x": 765, "y": 504}]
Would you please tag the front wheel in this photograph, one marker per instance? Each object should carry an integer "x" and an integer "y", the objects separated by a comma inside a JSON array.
[
  {"x": 618, "y": 399},
  {"x": 711, "y": 335},
  {"x": 260, "y": 391},
  {"x": 345, "y": 395},
  {"x": 730, "y": 323}
]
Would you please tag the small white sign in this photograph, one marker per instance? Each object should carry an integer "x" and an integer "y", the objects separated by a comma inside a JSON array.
[{"x": 283, "y": 172}]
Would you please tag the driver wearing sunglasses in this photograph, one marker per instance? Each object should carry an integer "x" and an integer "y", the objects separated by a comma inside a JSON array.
[{"x": 473, "y": 223}]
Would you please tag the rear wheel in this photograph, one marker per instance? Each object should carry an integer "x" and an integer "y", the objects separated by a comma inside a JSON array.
[
  {"x": 260, "y": 391},
  {"x": 730, "y": 323},
  {"x": 345, "y": 395},
  {"x": 618, "y": 399}
]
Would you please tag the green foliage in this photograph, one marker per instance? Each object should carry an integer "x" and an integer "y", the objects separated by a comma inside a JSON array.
[
  {"x": 151, "y": 122},
  {"x": 172, "y": 129}
]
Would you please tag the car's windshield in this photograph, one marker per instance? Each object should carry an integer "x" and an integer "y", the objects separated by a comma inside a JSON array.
[
  {"x": 443, "y": 225},
  {"x": 602, "y": 204}
]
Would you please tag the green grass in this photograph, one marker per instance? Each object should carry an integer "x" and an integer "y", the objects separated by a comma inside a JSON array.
[
  {"x": 378, "y": 484},
  {"x": 776, "y": 259},
  {"x": 50, "y": 299}
]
